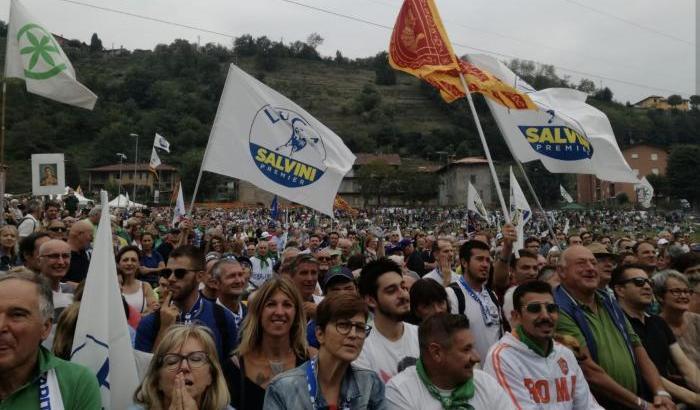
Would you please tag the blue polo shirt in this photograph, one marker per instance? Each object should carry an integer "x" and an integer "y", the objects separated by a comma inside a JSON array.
[
  {"x": 202, "y": 313},
  {"x": 151, "y": 261}
]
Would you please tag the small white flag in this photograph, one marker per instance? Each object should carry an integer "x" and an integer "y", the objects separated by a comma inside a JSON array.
[
  {"x": 102, "y": 342},
  {"x": 262, "y": 137},
  {"x": 474, "y": 202},
  {"x": 520, "y": 211},
  {"x": 33, "y": 54},
  {"x": 155, "y": 160},
  {"x": 179, "y": 212},
  {"x": 161, "y": 142},
  {"x": 565, "y": 195},
  {"x": 645, "y": 193}
]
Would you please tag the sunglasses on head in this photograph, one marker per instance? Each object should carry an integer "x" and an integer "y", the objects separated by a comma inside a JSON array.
[
  {"x": 638, "y": 282},
  {"x": 537, "y": 307},
  {"x": 179, "y": 272}
]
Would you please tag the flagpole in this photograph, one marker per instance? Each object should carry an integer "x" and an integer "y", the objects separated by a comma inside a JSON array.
[
  {"x": 537, "y": 200},
  {"x": 3, "y": 167},
  {"x": 492, "y": 168}
]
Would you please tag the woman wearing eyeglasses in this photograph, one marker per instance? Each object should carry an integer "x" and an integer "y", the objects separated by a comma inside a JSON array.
[
  {"x": 329, "y": 381},
  {"x": 138, "y": 294},
  {"x": 272, "y": 340},
  {"x": 184, "y": 374},
  {"x": 674, "y": 293}
]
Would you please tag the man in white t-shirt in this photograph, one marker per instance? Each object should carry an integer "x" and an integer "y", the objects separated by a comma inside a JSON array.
[
  {"x": 392, "y": 343},
  {"x": 261, "y": 264},
  {"x": 472, "y": 298},
  {"x": 444, "y": 256},
  {"x": 30, "y": 223},
  {"x": 444, "y": 377}
]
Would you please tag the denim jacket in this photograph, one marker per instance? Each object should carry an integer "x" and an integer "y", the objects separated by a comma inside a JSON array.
[{"x": 360, "y": 389}]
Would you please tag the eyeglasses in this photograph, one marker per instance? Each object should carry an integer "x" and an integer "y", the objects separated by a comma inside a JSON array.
[
  {"x": 57, "y": 229},
  {"x": 173, "y": 361},
  {"x": 537, "y": 307},
  {"x": 344, "y": 326},
  {"x": 323, "y": 258},
  {"x": 678, "y": 292},
  {"x": 56, "y": 256},
  {"x": 638, "y": 282},
  {"x": 179, "y": 272}
]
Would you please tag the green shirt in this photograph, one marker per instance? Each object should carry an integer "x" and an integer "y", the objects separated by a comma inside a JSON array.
[
  {"x": 613, "y": 355},
  {"x": 79, "y": 388}
]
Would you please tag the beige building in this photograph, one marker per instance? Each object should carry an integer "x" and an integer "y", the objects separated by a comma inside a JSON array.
[
  {"x": 141, "y": 175},
  {"x": 455, "y": 176},
  {"x": 661, "y": 103}
]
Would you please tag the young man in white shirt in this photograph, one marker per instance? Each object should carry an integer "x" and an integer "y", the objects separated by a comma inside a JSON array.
[
  {"x": 472, "y": 298},
  {"x": 537, "y": 372},
  {"x": 392, "y": 341},
  {"x": 444, "y": 377}
]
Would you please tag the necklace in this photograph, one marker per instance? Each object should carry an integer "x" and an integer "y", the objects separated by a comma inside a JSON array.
[{"x": 276, "y": 367}]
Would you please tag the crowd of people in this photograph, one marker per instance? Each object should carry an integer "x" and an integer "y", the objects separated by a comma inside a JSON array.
[{"x": 390, "y": 308}]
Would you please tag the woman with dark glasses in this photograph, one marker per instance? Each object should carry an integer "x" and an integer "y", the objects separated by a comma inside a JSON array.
[{"x": 329, "y": 380}]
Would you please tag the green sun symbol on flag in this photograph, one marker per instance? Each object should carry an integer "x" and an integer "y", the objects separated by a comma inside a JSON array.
[{"x": 40, "y": 45}]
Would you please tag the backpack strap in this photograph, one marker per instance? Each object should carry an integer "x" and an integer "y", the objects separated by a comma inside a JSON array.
[{"x": 461, "y": 303}]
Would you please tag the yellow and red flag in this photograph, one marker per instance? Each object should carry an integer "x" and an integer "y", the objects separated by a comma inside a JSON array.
[
  {"x": 419, "y": 46},
  {"x": 343, "y": 205}
]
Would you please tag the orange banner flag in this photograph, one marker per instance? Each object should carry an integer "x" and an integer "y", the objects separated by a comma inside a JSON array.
[{"x": 419, "y": 46}]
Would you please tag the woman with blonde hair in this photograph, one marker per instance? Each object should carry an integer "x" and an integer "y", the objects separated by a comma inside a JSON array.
[
  {"x": 184, "y": 373},
  {"x": 273, "y": 340},
  {"x": 9, "y": 256}
]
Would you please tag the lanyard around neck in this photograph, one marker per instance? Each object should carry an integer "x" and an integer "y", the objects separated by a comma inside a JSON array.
[
  {"x": 312, "y": 385},
  {"x": 485, "y": 315}
]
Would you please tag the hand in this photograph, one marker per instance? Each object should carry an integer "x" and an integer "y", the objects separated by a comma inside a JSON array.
[
  {"x": 509, "y": 235},
  {"x": 180, "y": 397},
  {"x": 663, "y": 402},
  {"x": 168, "y": 312}
]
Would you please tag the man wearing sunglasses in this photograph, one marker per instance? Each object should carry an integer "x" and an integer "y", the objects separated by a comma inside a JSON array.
[
  {"x": 634, "y": 292},
  {"x": 184, "y": 304},
  {"x": 614, "y": 362},
  {"x": 536, "y": 372}
]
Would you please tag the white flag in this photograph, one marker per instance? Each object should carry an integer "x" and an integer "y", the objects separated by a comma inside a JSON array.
[
  {"x": 264, "y": 138},
  {"x": 474, "y": 202},
  {"x": 101, "y": 341},
  {"x": 520, "y": 211},
  {"x": 565, "y": 194},
  {"x": 179, "y": 210},
  {"x": 645, "y": 192},
  {"x": 161, "y": 142},
  {"x": 565, "y": 134},
  {"x": 155, "y": 160},
  {"x": 33, "y": 54}
]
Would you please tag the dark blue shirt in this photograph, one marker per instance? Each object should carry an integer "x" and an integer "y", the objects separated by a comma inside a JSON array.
[
  {"x": 202, "y": 313},
  {"x": 151, "y": 261},
  {"x": 311, "y": 334}
]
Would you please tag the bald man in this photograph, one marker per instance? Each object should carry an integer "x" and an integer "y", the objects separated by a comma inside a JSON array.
[
  {"x": 79, "y": 241},
  {"x": 54, "y": 261}
]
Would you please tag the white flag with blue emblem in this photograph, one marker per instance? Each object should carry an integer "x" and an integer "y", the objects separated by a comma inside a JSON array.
[
  {"x": 102, "y": 342},
  {"x": 645, "y": 192},
  {"x": 474, "y": 202},
  {"x": 264, "y": 138},
  {"x": 565, "y": 134},
  {"x": 160, "y": 142},
  {"x": 520, "y": 211},
  {"x": 33, "y": 54}
]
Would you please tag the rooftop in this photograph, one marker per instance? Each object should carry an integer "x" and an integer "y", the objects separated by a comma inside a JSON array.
[{"x": 126, "y": 167}]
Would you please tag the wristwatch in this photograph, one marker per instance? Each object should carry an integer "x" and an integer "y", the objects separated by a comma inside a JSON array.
[{"x": 663, "y": 393}]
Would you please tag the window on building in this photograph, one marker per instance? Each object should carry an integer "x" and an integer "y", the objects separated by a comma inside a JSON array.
[
  {"x": 635, "y": 155},
  {"x": 655, "y": 171},
  {"x": 654, "y": 157}
]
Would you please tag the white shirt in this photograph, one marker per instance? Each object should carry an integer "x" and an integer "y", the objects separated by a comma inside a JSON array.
[
  {"x": 259, "y": 274},
  {"x": 29, "y": 225},
  {"x": 437, "y": 276},
  {"x": 538, "y": 383},
  {"x": 407, "y": 391},
  {"x": 484, "y": 336},
  {"x": 508, "y": 305},
  {"x": 383, "y": 356}
]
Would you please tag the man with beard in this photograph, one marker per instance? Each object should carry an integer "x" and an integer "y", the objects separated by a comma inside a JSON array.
[
  {"x": 613, "y": 359},
  {"x": 444, "y": 377},
  {"x": 634, "y": 292},
  {"x": 184, "y": 304},
  {"x": 523, "y": 361},
  {"x": 472, "y": 298},
  {"x": 392, "y": 340}
]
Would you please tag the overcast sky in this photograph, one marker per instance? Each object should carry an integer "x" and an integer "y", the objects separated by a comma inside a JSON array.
[{"x": 639, "y": 48}]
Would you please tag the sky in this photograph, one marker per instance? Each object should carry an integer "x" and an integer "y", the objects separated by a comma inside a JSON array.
[{"x": 636, "y": 48}]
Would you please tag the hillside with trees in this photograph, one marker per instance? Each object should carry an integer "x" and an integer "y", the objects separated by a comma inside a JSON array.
[{"x": 174, "y": 90}]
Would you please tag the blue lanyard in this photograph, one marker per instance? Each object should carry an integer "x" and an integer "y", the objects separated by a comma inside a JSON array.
[
  {"x": 484, "y": 313},
  {"x": 311, "y": 384},
  {"x": 194, "y": 312}
]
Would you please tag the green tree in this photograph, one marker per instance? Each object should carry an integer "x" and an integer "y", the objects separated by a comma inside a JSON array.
[
  {"x": 674, "y": 100},
  {"x": 682, "y": 168},
  {"x": 95, "y": 43},
  {"x": 605, "y": 94},
  {"x": 695, "y": 101},
  {"x": 383, "y": 73},
  {"x": 587, "y": 86},
  {"x": 314, "y": 40},
  {"x": 377, "y": 179}
]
